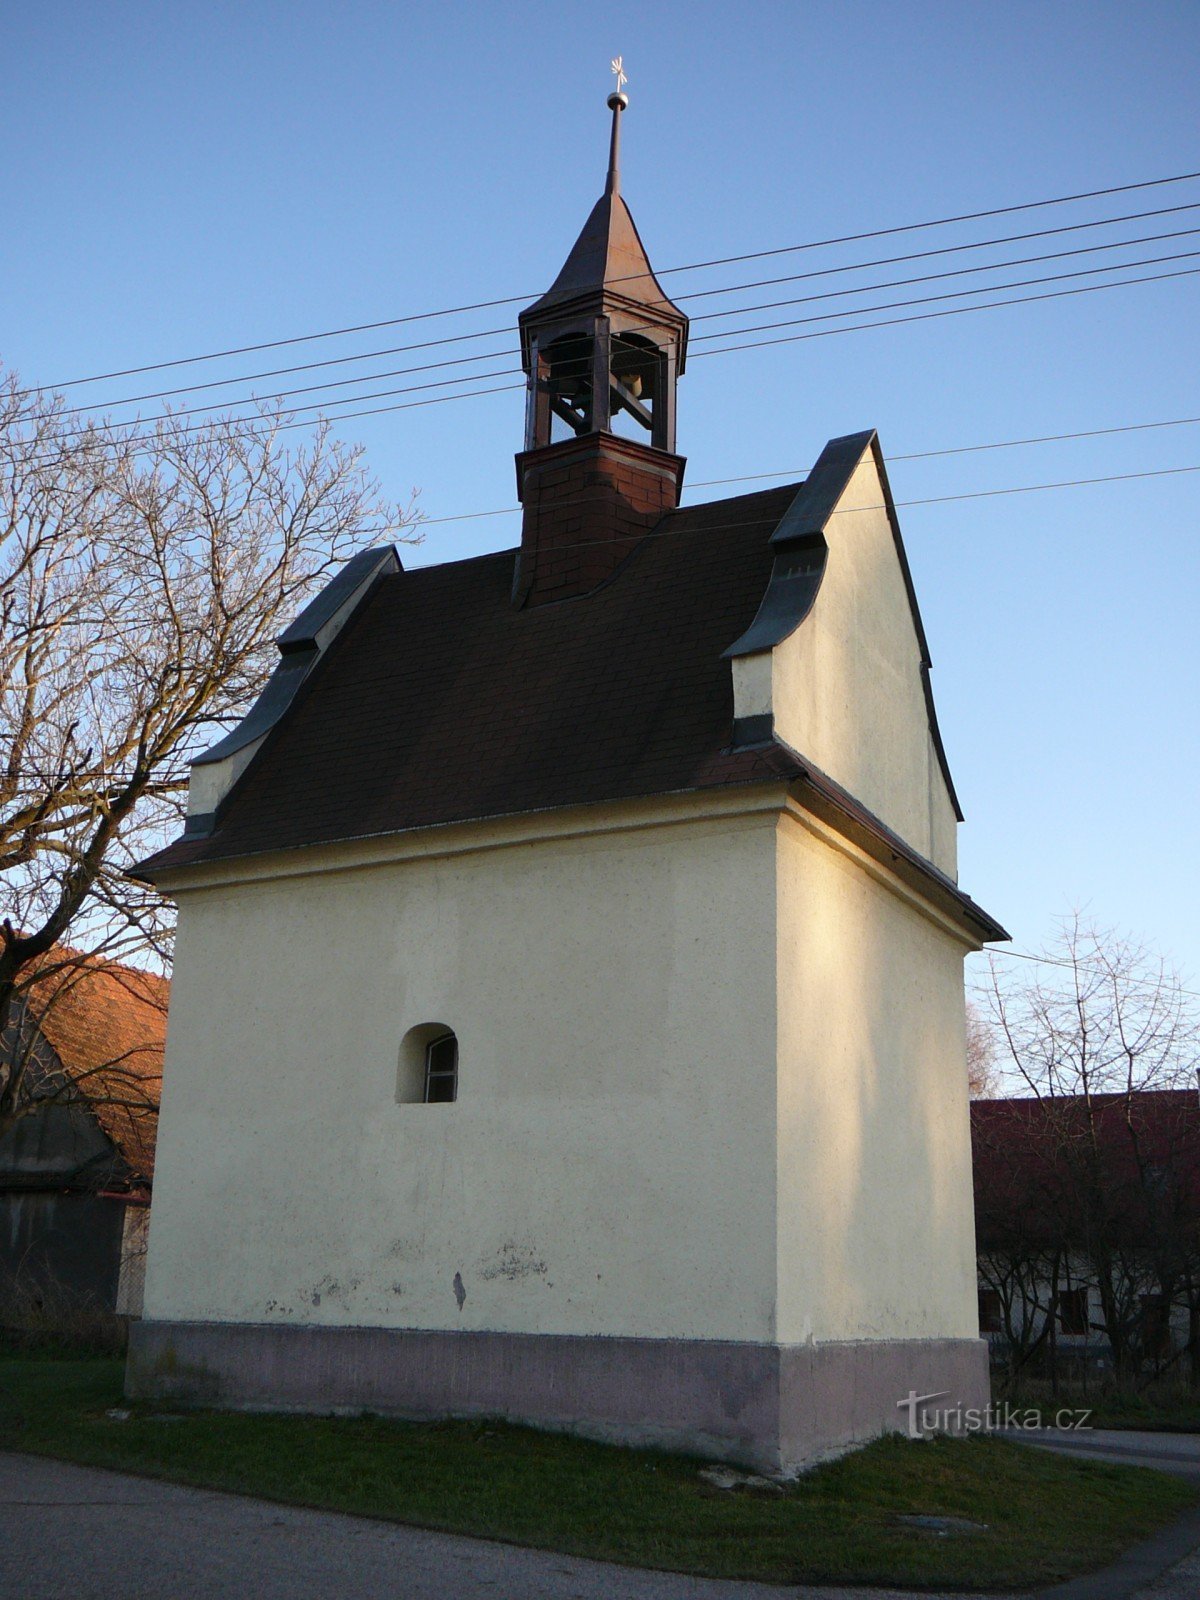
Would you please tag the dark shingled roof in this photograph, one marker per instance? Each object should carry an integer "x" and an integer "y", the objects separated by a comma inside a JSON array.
[{"x": 441, "y": 702}]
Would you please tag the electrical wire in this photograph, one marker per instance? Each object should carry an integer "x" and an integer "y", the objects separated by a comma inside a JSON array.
[
  {"x": 912, "y": 455},
  {"x": 849, "y": 511},
  {"x": 960, "y": 294},
  {"x": 993, "y": 266},
  {"x": 134, "y": 437},
  {"x": 959, "y": 272},
  {"x": 694, "y": 266},
  {"x": 795, "y": 277},
  {"x": 953, "y": 311},
  {"x": 1080, "y": 966}
]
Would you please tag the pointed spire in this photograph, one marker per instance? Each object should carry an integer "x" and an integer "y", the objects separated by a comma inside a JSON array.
[
  {"x": 608, "y": 258},
  {"x": 617, "y": 102}
]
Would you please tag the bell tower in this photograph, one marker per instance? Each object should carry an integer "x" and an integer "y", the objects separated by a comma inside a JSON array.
[{"x": 602, "y": 351}]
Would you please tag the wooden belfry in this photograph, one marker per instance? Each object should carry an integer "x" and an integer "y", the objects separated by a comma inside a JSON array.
[
  {"x": 603, "y": 350},
  {"x": 604, "y": 339}
]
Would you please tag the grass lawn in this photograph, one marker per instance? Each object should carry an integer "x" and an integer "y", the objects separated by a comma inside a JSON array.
[
  {"x": 1137, "y": 1411},
  {"x": 1046, "y": 1516},
  {"x": 1159, "y": 1407}
]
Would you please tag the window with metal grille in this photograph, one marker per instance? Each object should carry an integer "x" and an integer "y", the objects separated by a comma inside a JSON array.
[{"x": 441, "y": 1069}]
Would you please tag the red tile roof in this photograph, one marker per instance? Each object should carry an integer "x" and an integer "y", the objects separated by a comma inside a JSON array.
[
  {"x": 107, "y": 1023},
  {"x": 1043, "y": 1167}
]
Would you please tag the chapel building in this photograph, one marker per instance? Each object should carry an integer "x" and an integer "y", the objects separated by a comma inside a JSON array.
[{"x": 568, "y": 1021}]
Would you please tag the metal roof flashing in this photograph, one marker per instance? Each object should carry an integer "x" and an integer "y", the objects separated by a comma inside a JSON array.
[
  {"x": 301, "y": 645},
  {"x": 800, "y": 554}
]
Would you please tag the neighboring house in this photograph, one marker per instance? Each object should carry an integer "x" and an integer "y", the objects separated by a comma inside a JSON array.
[
  {"x": 1087, "y": 1214},
  {"x": 567, "y": 1019},
  {"x": 76, "y": 1174}
]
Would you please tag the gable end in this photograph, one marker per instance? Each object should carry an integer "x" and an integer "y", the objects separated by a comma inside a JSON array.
[{"x": 801, "y": 554}]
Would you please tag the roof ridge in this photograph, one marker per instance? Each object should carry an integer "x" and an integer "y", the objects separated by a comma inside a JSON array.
[{"x": 459, "y": 561}]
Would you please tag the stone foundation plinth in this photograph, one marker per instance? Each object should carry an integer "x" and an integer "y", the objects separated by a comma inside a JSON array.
[{"x": 771, "y": 1407}]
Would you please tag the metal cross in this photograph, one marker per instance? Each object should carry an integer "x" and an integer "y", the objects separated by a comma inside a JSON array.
[{"x": 622, "y": 80}]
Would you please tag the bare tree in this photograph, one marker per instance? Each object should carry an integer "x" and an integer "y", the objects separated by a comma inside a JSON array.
[
  {"x": 143, "y": 581},
  {"x": 982, "y": 1076},
  {"x": 1100, "y": 1026}
]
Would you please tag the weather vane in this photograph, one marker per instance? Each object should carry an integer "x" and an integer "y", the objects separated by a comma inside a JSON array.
[{"x": 619, "y": 72}]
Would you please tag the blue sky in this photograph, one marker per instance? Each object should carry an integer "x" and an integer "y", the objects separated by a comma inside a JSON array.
[{"x": 183, "y": 179}]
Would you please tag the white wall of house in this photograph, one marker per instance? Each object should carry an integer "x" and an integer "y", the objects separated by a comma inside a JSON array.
[
  {"x": 845, "y": 687},
  {"x": 712, "y": 1085},
  {"x": 609, "y": 1166},
  {"x": 876, "y": 1225},
  {"x": 1030, "y": 1293},
  {"x": 712, "y": 1057}
]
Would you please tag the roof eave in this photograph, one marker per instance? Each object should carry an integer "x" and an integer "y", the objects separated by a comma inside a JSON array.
[{"x": 825, "y": 798}]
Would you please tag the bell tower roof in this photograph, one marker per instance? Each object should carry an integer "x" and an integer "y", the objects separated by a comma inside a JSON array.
[
  {"x": 608, "y": 267},
  {"x": 602, "y": 350}
]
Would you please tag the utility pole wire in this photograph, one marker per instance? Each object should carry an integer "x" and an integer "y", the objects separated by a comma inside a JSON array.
[{"x": 694, "y": 266}]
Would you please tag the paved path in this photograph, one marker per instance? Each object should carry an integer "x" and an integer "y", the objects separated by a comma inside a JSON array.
[
  {"x": 1177, "y": 1453},
  {"x": 78, "y": 1533}
]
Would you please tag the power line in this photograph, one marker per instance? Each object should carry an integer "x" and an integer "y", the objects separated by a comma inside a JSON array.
[
  {"x": 286, "y": 394},
  {"x": 694, "y": 266},
  {"x": 963, "y": 272},
  {"x": 795, "y": 277},
  {"x": 960, "y": 294},
  {"x": 950, "y": 250},
  {"x": 953, "y": 311},
  {"x": 1034, "y": 488},
  {"x": 134, "y": 437},
  {"x": 1081, "y": 966},
  {"x": 310, "y": 422},
  {"x": 939, "y": 222},
  {"x": 912, "y": 455},
  {"x": 849, "y": 511},
  {"x": 992, "y": 266}
]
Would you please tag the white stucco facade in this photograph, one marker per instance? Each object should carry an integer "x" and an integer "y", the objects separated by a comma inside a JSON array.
[
  {"x": 608, "y": 1166},
  {"x": 712, "y": 1081},
  {"x": 845, "y": 687},
  {"x": 712, "y": 1085},
  {"x": 875, "y": 1218}
]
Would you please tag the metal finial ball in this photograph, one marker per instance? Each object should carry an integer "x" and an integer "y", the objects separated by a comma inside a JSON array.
[{"x": 618, "y": 102}]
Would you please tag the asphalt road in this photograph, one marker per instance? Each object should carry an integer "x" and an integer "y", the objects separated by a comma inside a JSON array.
[
  {"x": 80, "y": 1533},
  {"x": 1177, "y": 1453},
  {"x": 77, "y": 1533}
]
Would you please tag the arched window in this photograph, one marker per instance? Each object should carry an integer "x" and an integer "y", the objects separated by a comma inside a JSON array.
[
  {"x": 428, "y": 1066},
  {"x": 441, "y": 1069}
]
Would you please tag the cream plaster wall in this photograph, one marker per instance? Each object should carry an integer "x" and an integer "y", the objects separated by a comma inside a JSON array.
[
  {"x": 609, "y": 1167},
  {"x": 209, "y": 782},
  {"x": 875, "y": 1218},
  {"x": 846, "y": 685}
]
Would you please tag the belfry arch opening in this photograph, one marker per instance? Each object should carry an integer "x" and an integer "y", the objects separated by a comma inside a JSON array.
[{"x": 600, "y": 382}]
